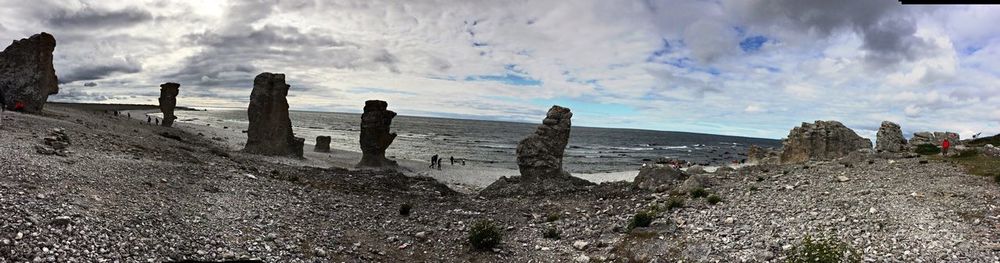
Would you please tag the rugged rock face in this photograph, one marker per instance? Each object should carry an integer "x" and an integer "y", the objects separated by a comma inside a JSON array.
[
  {"x": 760, "y": 155},
  {"x": 322, "y": 144},
  {"x": 539, "y": 159},
  {"x": 935, "y": 138},
  {"x": 990, "y": 150},
  {"x": 658, "y": 177},
  {"x": 821, "y": 140},
  {"x": 540, "y": 155},
  {"x": 890, "y": 138},
  {"x": 270, "y": 131},
  {"x": 168, "y": 100},
  {"x": 27, "y": 77},
  {"x": 375, "y": 135}
]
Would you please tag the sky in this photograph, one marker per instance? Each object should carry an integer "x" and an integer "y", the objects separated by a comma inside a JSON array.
[{"x": 745, "y": 67}]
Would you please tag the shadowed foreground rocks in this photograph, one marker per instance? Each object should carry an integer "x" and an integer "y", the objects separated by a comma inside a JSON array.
[
  {"x": 375, "y": 136},
  {"x": 539, "y": 159},
  {"x": 26, "y": 73},
  {"x": 168, "y": 100},
  {"x": 270, "y": 129}
]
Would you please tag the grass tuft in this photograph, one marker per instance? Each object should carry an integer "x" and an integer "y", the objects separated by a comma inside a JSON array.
[
  {"x": 484, "y": 235},
  {"x": 822, "y": 250}
]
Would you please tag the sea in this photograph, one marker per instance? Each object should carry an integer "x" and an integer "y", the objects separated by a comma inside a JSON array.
[{"x": 493, "y": 143}]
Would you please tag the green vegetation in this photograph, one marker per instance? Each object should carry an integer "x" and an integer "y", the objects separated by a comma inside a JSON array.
[
  {"x": 976, "y": 163},
  {"x": 404, "y": 209},
  {"x": 927, "y": 149},
  {"x": 994, "y": 140},
  {"x": 484, "y": 235},
  {"x": 552, "y": 233},
  {"x": 552, "y": 217},
  {"x": 823, "y": 250},
  {"x": 996, "y": 178},
  {"x": 714, "y": 199},
  {"x": 698, "y": 192},
  {"x": 641, "y": 219},
  {"x": 675, "y": 202}
]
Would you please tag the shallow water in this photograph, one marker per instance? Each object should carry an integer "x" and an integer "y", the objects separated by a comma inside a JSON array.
[{"x": 493, "y": 143}]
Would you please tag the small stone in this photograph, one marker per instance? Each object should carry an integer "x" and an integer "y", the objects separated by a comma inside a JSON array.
[
  {"x": 319, "y": 252},
  {"x": 873, "y": 210},
  {"x": 19, "y": 236},
  {"x": 421, "y": 235},
  {"x": 61, "y": 221},
  {"x": 40, "y": 196},
  {"x": 582, "y": 259},
  {"x": 580, "y": 245},
  {"x": 787, "y": 247},
  {"x": 730, "y": 220},
  {"x": 843, "y": 178},
  {"x": 250, "y": 176}
]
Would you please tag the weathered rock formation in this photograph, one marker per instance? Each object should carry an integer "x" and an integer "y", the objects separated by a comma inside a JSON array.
[
  {"x": 935, "y": 138},
  {"x": 168, "y": 100},
  {"x": 27, "y": 77},
  {"x": 322, "y": 144},
  {"x": 821, "y": 140},
  {"x": 56, "y": 143},
  {"x": 539, "y": 159},
  {"x": 375, "y": 135},
  {"x": 890, "y": 138},
  {"x": 270, "y": 129},
  {"x": 760, "y": 155},
  {"x": 656, "y": 177},
  {"x": 990, "y": 150}
]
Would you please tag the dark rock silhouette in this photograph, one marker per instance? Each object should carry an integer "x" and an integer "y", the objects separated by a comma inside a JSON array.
[
  {"x": 27, "y": 77},
  {"x": 270, "y": 129},
  {"x": 322, "y": 144},
  {"x": 821, "y": 140},
  {"x": 168, "y": 100},
  {"x": 375, "y": 136},
  {"x": 539, "y": 159},
  {"x": 659, "y": 177},
  {"x": 890, "y": 138}
]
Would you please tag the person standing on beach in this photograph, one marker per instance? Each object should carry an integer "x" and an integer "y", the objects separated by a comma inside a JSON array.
[
  {"x": 439, "y": 163},
  {"x": 944, "y": 147},
  {"x": 157, "y": 121},
  {"x": 149, "y": 119},
  {"x": 453, "y": 160},
  {"x": 434, "y": 160}
]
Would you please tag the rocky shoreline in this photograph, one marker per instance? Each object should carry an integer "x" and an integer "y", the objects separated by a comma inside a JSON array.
[{"x": 132, "y": 192}]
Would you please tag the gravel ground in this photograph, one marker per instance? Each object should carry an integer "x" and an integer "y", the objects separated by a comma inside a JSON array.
[{"x": 130, "y": 192}]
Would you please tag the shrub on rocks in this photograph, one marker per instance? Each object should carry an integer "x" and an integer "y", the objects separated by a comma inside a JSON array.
[
  {"x": 698, "y": 192},
  {"x": 927, "y": 149},
  {"x": 823, "y": 250},
  {"x": 404, "y": 209},
  {"x": 996, "y": 178},
  {"x": 714, "y": 199},
  {"x": 675, "y": 202},
  {"x": 641, "y": 219},
  {"x": 484, "y": 235},
  {"x": 552, "y": 217},
  {"x": 552, "y": 233}
]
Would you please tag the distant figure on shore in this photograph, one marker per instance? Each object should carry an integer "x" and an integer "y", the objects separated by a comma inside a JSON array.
[
  {"x": 116, "y": 113},
  {"x": 463, "y": 162},
  {"x": 434, "y": 160},
  {"x": 439, "y": 163},
  {"x": 945, "y": 144},
  {"x": 149, "y": 119},
  {"x": 453, "y": 160},
  {"x": 129, "y": 115},
  {"x": 157, "y": 121}
]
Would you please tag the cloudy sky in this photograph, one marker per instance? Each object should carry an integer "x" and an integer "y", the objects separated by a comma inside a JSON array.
[{"x": 743, "y": 67}]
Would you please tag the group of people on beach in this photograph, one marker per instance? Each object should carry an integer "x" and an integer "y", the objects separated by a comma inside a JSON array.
[{"x": 436, "y": 161}]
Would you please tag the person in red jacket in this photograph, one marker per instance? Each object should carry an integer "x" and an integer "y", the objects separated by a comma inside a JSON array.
[{"x": 944, "y": 147}]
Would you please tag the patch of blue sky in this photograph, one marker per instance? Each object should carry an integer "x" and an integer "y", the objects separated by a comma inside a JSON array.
[
  {"x": 752, "y": 44},
  {"x": 969, "y": 50}
]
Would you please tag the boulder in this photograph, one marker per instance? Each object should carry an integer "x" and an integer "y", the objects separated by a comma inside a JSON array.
[
  {"x": 724, "y": 170},
  {"x": 695, "y": 181},
  {"x": 270, "y": 129},
  {"x": 821, "y": 140},
  {"x": 375, "y": 135},
  {"x": 990, "y": 150},
  {"x": 655, "y": 177},
  {"x": 890, "y": 138},
  {"x": 760, "y": 155},
  {"x": 539, "y": 160},
  {"x": 322, "y": 144},
  {"x": 27, "y": 77},
  {"x": 696, "y": 169},
  {"x": 168, "y": 100},
  {"x": 935, "y": 138}
]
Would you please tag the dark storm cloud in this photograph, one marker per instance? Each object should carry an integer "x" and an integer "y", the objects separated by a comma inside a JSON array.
[
  {"x": 91, "y": 18},
  {"x": 887, "y": 31},
  {"x": 95, "y": 72},
  {"x": 90, "y": 84},
  {"x": 77, "y": 95}
]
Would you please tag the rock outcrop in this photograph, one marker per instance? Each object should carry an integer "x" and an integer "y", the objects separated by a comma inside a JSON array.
[
  {"x": 322, "y": 144},
  {"x": 890, "y": 138},
  {"x": 56, "y": 143},
  {"x": 375, "y": 136},
  {"x": 656, "y": 177},
  {"x": 935, "y": 138},
  {"x": 270, "y": 129},
  {"x": 990, "y": 150},
  {"x": 168, "y": 100},
  {"x": 760, "y": 155},
  {"x": 821, "y": 140},
  {"x": 539, "y": 159},
  {"x": 27, "y": 77}
]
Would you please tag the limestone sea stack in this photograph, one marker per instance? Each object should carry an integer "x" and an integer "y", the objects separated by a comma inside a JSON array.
[
  {"x": 375, "y": 135},
  {"x": 539, "y": 159},
  {"x": 821, "y": 140},
  {"x": 322, "y": 144},
  {"x": 890, "y": 138},
  {"x": 270, "y": 129},
  {"x": 168, "y": 100},
  {"x": 27, "y": 77}
]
